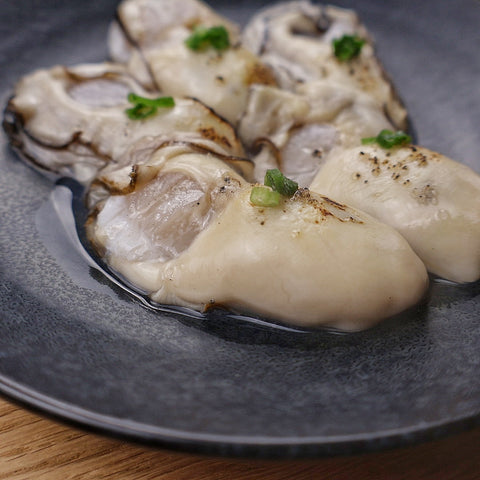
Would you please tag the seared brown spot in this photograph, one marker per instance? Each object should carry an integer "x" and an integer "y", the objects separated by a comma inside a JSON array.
[
  {"x": 260, "y": 74},
  {"x": 420, "y": 158},
  {"x": 320, "y": 203},
  {"x": 193, "y": 23},
  {"x": 210, "y": 134},
  {"x": 225, "y": 124},
  {"x": 334, "y": 203}
]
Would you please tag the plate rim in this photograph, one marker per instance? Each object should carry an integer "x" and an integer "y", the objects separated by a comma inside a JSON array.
[{"x": 235, "y": 446}]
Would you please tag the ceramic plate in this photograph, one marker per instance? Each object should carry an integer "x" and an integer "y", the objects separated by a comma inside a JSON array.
[{"x": 75, "y": 345}]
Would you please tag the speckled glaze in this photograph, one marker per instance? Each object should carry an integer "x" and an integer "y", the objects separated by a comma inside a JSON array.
[{"x": 76, "y": 346}]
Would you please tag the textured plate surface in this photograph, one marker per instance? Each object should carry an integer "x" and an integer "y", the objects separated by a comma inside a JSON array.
[{"x": 74, "y": 345}]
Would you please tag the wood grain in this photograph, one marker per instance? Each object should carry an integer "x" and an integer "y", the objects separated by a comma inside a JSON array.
[{"x": 32, "y": 447}]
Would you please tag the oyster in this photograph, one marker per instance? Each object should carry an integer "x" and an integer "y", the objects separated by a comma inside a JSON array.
[
  {"x": 433, "y": 201},
  {"x": 72, "y": 122},
  {"x": 295, "y": 40},
  {"x": 188, "y": 234},
  {"x": 297, "y": 132},
  {"x": 149, "y": 37},
  {"x": 323, "y": 104}
]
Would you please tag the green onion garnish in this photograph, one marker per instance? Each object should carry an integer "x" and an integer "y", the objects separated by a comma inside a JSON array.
[
  {"x": 276, "y": 186},
  {"x": 146, "y": 107},
  {"x": 203, "y": 38},
  {"x": 347, "y": 47},
  {"x": 279, "y": 182},
  {"x": 389, "y": 139},
  {"x": 264, "y": 197}
]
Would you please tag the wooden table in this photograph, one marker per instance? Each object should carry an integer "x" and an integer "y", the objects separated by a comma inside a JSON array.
[{"x": 35, "y": 448}]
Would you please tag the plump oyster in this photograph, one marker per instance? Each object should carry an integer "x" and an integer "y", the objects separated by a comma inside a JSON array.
[
  {"x": 433, "y": 201},
  {"x": 297, "y": 132},
  {"x": 163, "y": 203},
  {"x": 295, "y": 40},
  {"x": 147, "y": 24},
  {"x": 72, "y": 121},
  {"x": 149, "y": 37},
  {"x": 323, "y": 104},
  {"x": 188, "y": 234}
]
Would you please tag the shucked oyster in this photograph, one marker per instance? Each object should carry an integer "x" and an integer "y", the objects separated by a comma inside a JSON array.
[
  {"x": 298, "y": 132},
  {"x": 295, "y": 40},
  {"x": 149, "y": 37},
  {"x": 188, "y": 234},
  {"x": 433, "y": 201},
  {"x": 72, "y": 121},
  {"x": 324, "y": 104}
]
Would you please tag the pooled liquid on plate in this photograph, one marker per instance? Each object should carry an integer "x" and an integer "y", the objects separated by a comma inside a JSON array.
[{"x": 61, "y": 226}]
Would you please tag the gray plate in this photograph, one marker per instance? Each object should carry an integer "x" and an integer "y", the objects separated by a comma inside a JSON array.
[{"x": 74, "y": 345}]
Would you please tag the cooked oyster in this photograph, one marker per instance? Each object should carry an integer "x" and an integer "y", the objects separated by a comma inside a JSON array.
[
  {"x": 295, "y": 40},
  {"x": 155, "y": 23},
  {"x": 433, "y": 201},
  {"x": 163, "y": 203},
  {"x": 188, "y": 235},
  {"x": 298, "y": 131},
  {"x": 149, "y": 37},
  {"x": 72, "y": 121}
]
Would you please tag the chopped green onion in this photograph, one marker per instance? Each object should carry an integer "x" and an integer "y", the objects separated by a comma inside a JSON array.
[
  {"x": 347, "y": 47},
  {"x": 388, "y": 139},
  {"x": 146, "y": 107},
  {"x": 151, "y": 102},
  {"x": 203, "y": 38},
  {"x": 276, "y": 186},
  {"x": 264, "y": 197},
  {"x": 279, "y": 182},
  {"x": 139, "y": 112}
]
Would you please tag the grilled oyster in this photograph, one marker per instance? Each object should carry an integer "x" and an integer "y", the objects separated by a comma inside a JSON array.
[
  {"x": 324, "y": 104},
  {"x": 295, "y": 40},
  {"x": 149, "y": 37},
  {"x": 188, "y": 234},
  {"x": 297, "y": 132},
  {"x": 433, "y": 201},
  {"x": 72, "y": 121}
]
